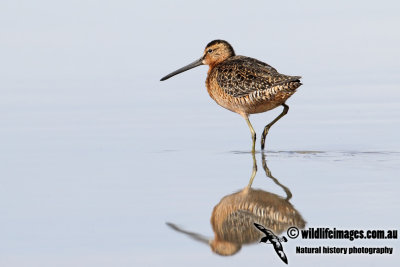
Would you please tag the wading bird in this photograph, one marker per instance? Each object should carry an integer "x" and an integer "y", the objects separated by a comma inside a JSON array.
[{"x": 244, "y": 85}]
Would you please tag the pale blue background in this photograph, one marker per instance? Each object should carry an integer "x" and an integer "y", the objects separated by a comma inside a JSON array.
[{"x": 97, "y": 154}]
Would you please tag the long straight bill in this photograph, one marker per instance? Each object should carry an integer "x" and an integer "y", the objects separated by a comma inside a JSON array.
[
  {"x": 187, "y": 67},
  {"x": 193, "y": 235}
]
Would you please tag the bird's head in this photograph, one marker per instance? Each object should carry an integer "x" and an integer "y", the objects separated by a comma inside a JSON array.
[
  {"x": 224, "y": 248},
  {"x": 214, "y": 53}
]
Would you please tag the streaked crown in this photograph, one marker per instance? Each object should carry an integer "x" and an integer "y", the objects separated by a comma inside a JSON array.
[{"x": 217, "y": 51}]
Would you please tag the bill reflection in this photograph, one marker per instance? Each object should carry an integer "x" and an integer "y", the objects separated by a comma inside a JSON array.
[{"x": 234, "y": 216}]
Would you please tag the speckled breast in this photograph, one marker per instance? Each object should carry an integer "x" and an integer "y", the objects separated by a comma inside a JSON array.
[{"x": 256, "y": 102}]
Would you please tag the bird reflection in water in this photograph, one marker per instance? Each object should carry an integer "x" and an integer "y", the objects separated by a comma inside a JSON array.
[{"x": 234, "y": 216}]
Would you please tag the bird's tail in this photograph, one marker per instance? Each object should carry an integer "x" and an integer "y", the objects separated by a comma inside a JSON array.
[{"x": 290, "y": 84}]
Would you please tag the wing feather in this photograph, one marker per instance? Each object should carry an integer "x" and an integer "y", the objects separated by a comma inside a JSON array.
[{"x": 239, "y": 76}]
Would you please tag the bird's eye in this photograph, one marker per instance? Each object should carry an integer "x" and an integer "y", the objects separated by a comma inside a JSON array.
[{"x": 209, "y": 51}]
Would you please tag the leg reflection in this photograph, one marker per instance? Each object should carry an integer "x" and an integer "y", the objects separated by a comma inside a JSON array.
[
  {"x": 269, "y": 174},
  {"x": 254, "y": 172},
  {"x": 234, "y": 216}
]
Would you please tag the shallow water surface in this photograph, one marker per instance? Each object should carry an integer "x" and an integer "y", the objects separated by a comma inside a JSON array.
[{"x": 98, "y": 187}]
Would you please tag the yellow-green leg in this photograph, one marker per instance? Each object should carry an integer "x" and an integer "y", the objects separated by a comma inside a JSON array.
[
  {"x": 253, "y": 134},
  {"x": 266, "y": 129}
]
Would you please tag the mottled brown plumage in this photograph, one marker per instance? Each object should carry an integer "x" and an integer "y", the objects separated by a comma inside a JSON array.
[
  {"x": 244, "y": 85},
  {"x": 240, "y": 76},
  {"x": 234, "y": 216}
]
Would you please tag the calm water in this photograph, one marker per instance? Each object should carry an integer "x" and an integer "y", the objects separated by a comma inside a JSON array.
[
  {"x": 97, "y": 188},
  {"x": 97, "y": 155}
]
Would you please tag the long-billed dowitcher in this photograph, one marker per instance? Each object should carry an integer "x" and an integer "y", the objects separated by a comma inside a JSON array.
[{"x": 244, "y": 85}]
